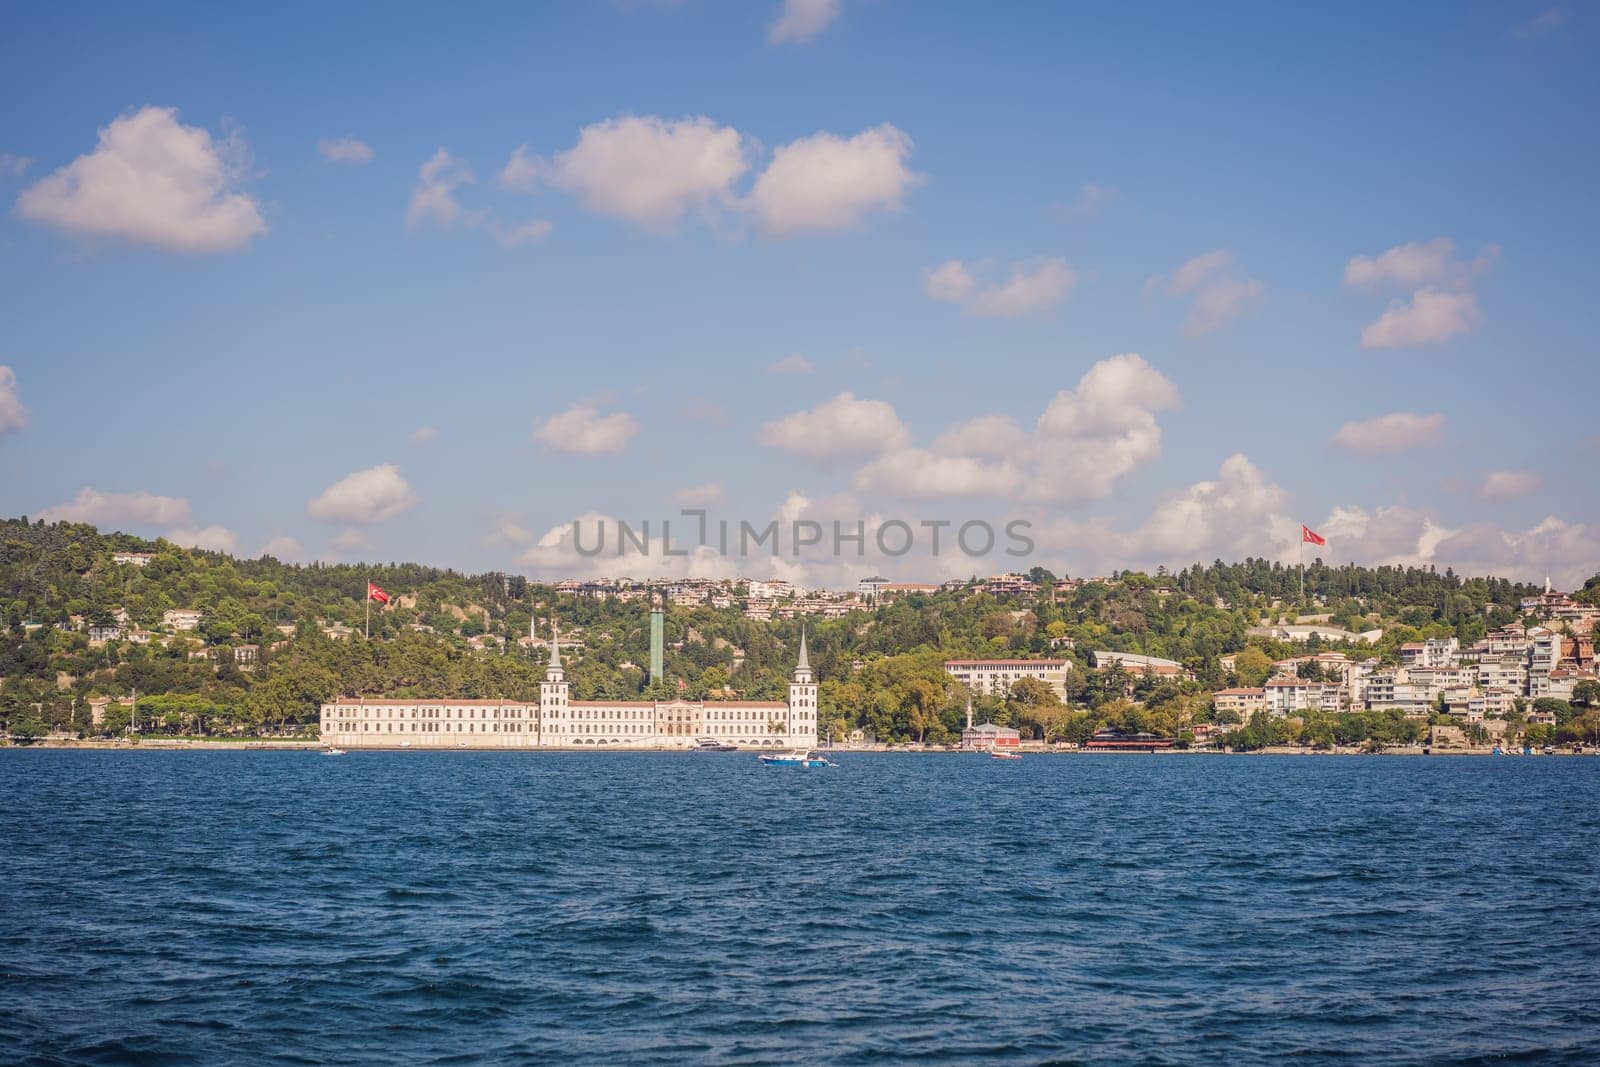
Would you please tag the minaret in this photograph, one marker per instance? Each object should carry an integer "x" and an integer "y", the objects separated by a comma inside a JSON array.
[
  {"x": 969, "y": 712},
  {"x": 553, "y": 722},
  {"x": 803, "y": 700}
]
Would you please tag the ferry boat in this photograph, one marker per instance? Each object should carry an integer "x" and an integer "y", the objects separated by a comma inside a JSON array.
[{"x": 796, "y": 759}]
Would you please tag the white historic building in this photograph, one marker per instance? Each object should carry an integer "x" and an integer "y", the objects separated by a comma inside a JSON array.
[{"x": 557, "y": 721}]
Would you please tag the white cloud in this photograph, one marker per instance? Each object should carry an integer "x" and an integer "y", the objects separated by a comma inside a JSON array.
[
  {"x": 951, "y": 282},
  {"x": 13, "y": 414},
  {"x": 14, "y": 165},
  {"x": 582, "y": 430},
  {"x": 1085, "y": 442},
  {"x": 433, "y": 200},
  {"x": 920, "y": 474},
  {"x": 1407, "y": 264},
  {"x": 208, "y": 538},
  {"x": 285, "y": 548},
  {"x": 509, "y": 530},
  {"x": 152, "y": 180},
  {"x": 345, "y": 150},
  {"x": 1546, "y": 21},
  {"x": 1220, "y": 292},
  {"x": 557, "y": 555},
  {"x": 1034, "y": 286},
  {"x": 514, "y": 235},
  {"x": 1442, "y": 304},
  {"x": 1418, "y": 263},
  {"x": 700, "y": 496},
  {"x": 423, "y": 435},
  {"x": 351, "y": 540},
  {"x": 1503, "y": 485},
  {"x": 1404, "y": 536},
  {"x": 645, "y": 170},
  {"x": 802, "y": 20},
  {"x": 1091, "y": 437},
  {"x": 826, "y": 183},
  {"x": 840, "y": 428},
  {"x": 1429, "y": 317},
  {"x": 1395, "y": 432},
  {"x": 376, "y": 494},
  {"x": 115, "y": 509},
  {"x": 521, "y": 171},
  {"x": 988, "y": 436},
  {"x": 1092, "y": 196},
  {"x": 1243, "y": 513},
  {"x": 792, "y": 364}
]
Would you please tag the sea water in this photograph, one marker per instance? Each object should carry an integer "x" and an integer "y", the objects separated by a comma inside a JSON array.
[{"x": 284, "y": 907}]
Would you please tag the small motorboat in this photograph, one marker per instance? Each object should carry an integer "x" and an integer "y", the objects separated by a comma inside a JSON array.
[
  {"x": 997, "y": 754},
  {"x": 331, "y": 751},
  {"x": 796, "y": 759},
  {"x": 712, "y": 744}
]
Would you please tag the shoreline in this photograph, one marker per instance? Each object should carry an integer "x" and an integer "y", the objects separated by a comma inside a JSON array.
[{"x": 288, "y": 745}]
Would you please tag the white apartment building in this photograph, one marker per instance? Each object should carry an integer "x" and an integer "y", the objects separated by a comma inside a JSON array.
[{"x": 995, "y": 677}]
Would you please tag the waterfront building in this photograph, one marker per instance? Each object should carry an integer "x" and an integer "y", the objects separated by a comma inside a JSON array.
[
  {"x": 1115, "y": 740},
  {"x": 1242, "y": 701},
  {"x": 986, "y": 737},
  {"x": 555, "y": 720}
]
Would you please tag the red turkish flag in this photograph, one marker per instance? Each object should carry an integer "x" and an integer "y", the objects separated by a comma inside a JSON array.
[
  {"x": 374, "y": 593},
  {"x": 1308, "y": 536}
]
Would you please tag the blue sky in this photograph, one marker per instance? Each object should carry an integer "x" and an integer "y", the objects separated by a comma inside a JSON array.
[{"x": 211, "y": 362}]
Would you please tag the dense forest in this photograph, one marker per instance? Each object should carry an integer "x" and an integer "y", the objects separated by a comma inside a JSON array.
[{"x": 447, "y": 634}]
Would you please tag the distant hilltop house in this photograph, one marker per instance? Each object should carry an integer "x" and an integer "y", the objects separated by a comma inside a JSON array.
[
  {"x": 1303, "y": 633},
  {"x": 107, "y": 632},
  {"x": 133, "y": 559},
  {"x": 182, "y": 619},
  {"x": 995, "y": 677},
  {"x": 1560, "y": 607}
]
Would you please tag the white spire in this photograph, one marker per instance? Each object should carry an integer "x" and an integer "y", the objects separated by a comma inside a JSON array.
[
  {"x": 802, "y": 669},
  {"x": 969, "y": 711},
  {"x": 553, "y": 671}
]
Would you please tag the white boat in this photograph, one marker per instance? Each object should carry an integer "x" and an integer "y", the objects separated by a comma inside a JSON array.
[
  {"x": 796, "y": 759},
  {"x": 331, "y": 751},
  {"x": 995, "y": 753}
]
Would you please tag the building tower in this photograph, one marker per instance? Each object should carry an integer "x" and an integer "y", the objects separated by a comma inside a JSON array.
[
  {"x": 658, "y": 620},
  {"x": 803, "y": 700},
  {"x": 553, "y": 718}
]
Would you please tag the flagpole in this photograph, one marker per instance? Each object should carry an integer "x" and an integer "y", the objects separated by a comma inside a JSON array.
[
  {"x": 367, "y": 600},
  {"x": 1302, "y": 566}
]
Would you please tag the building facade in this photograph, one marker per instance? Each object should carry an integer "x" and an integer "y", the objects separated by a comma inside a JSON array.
[
  {"x": 995, "y": 677},
  {"x": 558, "y": 721}
]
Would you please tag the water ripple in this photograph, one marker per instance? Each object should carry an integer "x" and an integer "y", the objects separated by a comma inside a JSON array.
[{"x": 460, "y": 908}]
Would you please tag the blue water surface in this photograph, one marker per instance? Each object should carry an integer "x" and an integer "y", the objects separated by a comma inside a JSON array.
[{"x": 260, "y": 907}]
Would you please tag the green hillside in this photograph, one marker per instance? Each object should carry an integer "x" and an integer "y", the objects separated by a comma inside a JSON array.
[{"x": 275, "y": 639}]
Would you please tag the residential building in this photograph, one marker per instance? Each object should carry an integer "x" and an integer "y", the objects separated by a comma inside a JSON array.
[
  {"x": 182, "y": 619},
  {"x": 995, "y": 677},
  {"x": 1243, "y": 702}
]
